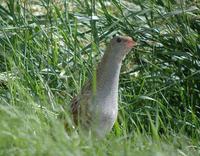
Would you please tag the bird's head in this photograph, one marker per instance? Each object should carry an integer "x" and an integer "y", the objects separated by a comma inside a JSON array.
[{"x": 121, "y": 45}]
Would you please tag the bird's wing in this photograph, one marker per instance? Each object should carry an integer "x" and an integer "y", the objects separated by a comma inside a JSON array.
[{"x": 79, "y": 104}]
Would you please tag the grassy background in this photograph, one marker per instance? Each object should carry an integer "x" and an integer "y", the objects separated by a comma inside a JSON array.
[{"x": 48, "y": 49}]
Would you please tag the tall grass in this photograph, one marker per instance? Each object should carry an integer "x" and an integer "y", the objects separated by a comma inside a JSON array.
[{"x": 48, "y": 53}]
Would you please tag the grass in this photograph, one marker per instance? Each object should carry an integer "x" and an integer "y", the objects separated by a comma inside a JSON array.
[{"x": 48, "y": 53}]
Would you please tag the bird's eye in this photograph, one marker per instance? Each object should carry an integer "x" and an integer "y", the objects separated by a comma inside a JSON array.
[{"x": 119, "y": 40}]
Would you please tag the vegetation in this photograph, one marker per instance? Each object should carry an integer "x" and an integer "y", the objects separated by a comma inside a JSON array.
[{"x": 48, "y": 49}]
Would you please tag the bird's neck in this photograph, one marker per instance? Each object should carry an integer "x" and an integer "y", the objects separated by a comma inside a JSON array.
[{"x": 108, "y": 75}]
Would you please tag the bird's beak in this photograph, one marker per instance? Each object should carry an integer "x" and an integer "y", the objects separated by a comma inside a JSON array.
[{"x": 130, "y": 42}]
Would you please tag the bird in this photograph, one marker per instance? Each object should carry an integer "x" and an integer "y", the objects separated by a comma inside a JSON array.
[{"x": 95, "y": 108}]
